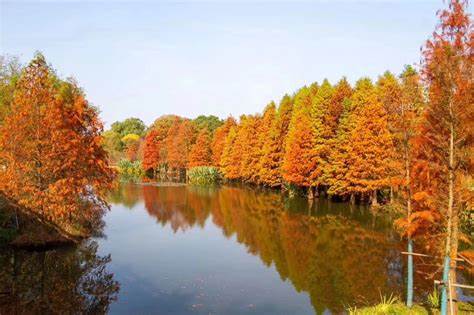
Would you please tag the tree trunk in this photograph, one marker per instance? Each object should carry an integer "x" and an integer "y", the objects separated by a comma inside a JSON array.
[
  {"x": 452, "y": 220},
  {"x": 410, "y": 242},
  {"x": 454, "y": 254},
  {"x": 391, "y": 195},
  {"x": 374, "y": 199},
  {"x": 352, "y": 199},
  {"x": 410, "y": 274},
  {"x": 310, "y": 193}
]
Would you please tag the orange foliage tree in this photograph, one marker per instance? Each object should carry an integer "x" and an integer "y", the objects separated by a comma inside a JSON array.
[
  {"x": 321, "y": 133},
  {"x": 200, "y": 154},
  {"x": 51, "y": 155},
  {"x": 298, "y": 158},
  {"x": 230, "y": 160},
  {"x": 447, "y": 136},
  {"x": 181, "y": 137},
  {"x": 151, "y": 151},
  {"x": 218, "y": 140},
  {"x": 273, "y": 149},
  {"x": 371, "y": 144},
  {"x": 248, "y": 142},
  {"x": 340, "y": 115}
]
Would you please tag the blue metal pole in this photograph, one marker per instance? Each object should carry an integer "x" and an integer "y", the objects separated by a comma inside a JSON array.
[
  {"x": 410, "y": 274},
  {"x": 444, "y": 291}
]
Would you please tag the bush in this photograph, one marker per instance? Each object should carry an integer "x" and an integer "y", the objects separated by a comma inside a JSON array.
[
  {"x": 204, "y": 175},
  {"x": 130, "y": 171}
]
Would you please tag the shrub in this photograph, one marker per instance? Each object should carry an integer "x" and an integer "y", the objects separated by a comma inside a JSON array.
[
  {"x": 204, "y": 175},
  {"x": 130, "y": 171}
]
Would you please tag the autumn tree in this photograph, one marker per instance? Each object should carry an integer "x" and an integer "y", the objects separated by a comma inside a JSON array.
[
  {"x": 403, "y": 101},
  {"x": 200, "y": 154},
  {"x": 231, "y": 159},
  {"x": 339, "y": 119},
  {"x": 390, "y": 95},
  {"x": 218, "y": 141},
  {"x": 448, "y": 126},
  {"x": 371, "y": 145},
  {"x": 341, "y": 93},
  {"x": 248, "y": 142},
  {"x": 132, "y": 144},
  {"x": 52, "y": 160},
  {"x": 273, "y": 150},
  {"x": 297, "y": 162},
  {"x": 181, "y": 137},
  {"x": 263, "y": 132},
  {"x": 321, "y": 134},
  {"x": 151, "y": 152}
]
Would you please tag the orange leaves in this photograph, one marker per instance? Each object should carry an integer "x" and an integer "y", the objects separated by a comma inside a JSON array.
[
  {"x": 56, "y": 166},
  {"x": 370, "y": 146},
  {"x": 179, "y": 140},
  {"x": 218, "y": 141},
  {"x": 151, "y": 151},
  {"x": 200, "y": 154},
  {"x": 417, "y": 223},
  {"x": 273, "y": 147},
  {"x": 297, "y": 161},
  {"x": 420, "y": 196}
]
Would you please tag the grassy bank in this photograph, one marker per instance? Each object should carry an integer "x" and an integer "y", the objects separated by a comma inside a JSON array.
[
  {"x": 393, "y": 305},
  {"x": 401, "y": 309}
]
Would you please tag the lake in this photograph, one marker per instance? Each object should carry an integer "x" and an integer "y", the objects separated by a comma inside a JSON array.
[{"x": 223, "y": 250}]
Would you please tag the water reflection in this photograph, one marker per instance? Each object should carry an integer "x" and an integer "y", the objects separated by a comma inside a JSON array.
[
  {"x": 337, "y": 254},
  {"x": 59, "y": 281}
]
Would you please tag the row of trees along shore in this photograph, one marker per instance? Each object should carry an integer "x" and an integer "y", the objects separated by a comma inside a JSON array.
[{"x": 406, "y": 140}]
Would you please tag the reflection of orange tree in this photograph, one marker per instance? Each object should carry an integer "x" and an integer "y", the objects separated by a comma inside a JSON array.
[
  {"x": 128, "y": 195},
  {"x": 61, "y": 281},
  {"x": 182, "y": 207},
  {"x": 333, "y": 258}
]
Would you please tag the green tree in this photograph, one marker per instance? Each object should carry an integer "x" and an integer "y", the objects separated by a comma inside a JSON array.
[
  {"x": 129, "y": 126},
  {"x": 211, "y": 123},
  {"x": 10, "y": 70}
]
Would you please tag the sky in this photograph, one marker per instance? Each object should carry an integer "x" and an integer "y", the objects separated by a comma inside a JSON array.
[{"x": 145, "y": 59}]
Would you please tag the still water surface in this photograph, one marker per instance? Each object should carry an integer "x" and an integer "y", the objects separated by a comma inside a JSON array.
[{"x": 228, "y": 250}]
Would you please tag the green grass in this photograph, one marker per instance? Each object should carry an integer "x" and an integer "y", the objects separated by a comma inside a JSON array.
[
  {"x": 392, "y": 305},
  {"x": 204, "y": 175}
]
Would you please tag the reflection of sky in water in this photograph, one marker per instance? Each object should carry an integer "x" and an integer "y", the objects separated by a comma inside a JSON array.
[
  {"x": 197, "y": 271},
  {"x": 188, "y": 250}
]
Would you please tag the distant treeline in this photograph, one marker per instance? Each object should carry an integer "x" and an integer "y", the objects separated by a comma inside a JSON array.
[{"x": 343, "y": 140}]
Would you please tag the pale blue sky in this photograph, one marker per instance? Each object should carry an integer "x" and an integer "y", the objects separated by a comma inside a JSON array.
[{"x": 146, "y": 59}]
